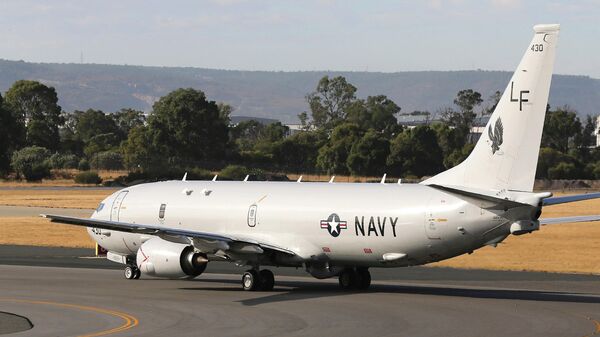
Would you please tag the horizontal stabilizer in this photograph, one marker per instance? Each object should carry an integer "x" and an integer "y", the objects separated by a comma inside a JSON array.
[
  {"x": 570, "y": 219},
  {"x": 570, "y": 198},
  {"x": 481, "y": 195}
]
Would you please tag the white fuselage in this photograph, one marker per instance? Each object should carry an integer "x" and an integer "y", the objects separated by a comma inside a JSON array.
[{"x": 421, "y": 222}]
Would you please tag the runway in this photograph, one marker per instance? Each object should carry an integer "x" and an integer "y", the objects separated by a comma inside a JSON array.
[{"x": 93, "y": 300}]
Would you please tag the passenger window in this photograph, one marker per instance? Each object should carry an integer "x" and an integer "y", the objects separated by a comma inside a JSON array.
[
  {"x": 161, "y": 212},
  {"x": 100, "y": 207}
]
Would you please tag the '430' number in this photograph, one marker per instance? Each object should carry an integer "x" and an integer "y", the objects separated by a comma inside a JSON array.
[{"x": 537, "y": 47}]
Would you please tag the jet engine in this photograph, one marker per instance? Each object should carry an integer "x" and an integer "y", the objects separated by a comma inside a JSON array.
[{"x": 158, "y": 257}]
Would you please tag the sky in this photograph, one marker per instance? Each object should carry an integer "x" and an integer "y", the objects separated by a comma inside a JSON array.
[{"x": 279, "y": 35}]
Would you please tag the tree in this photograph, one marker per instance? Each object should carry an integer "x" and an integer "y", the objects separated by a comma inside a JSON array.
[
  {"x": 415, "y": 152},
  {"x": 127, "y": 119},
  {"x": 561, "y": 126},
  {"x": 100, "y": 143},
  {"x": 334, "y": 154},
  {"x": 451, "y": 141},
  {"x": 246, "y": 134},
  {"x": 330, "y": 101},
  {"x": 31, "y": 162},
  {"x": 139, "y": 152},
  {"x": 467, "y": 100},
  {"x": 10, "y": 136},
  {"x": 225, "y": 111},
  {"x": 368, "y": 155},
  {"x": 585, "y": 139},
  {"x": 107, "y": 160},
  {"x": 549, "y": 158},
  {"x": 299, "y": 151},
  {"x": 269, "y": 135},
  {"x": 36, "y": 106},
  {"x": 91, "y": 123},
  {"x": 494, "y": 100},
  {"x": 377, "y": 113},
  {"x": 462, "y": 120},
  {"x": 187, "y": 127}
]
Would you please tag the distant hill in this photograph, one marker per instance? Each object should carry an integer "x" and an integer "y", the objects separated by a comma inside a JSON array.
[{"x": 278, "y": 95}]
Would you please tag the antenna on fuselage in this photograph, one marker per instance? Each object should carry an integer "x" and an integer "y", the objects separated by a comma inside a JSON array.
[
  {"x": 332, "y": 179},
  {"x": 215, "y": 177},
  {"x": 383, "y": 178},
  {"x": 299, "y": 179},
  {"x": 184, "y": 177}
]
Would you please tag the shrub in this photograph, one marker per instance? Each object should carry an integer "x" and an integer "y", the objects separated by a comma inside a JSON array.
[
  {"x": 32, "y": 163},
  {"x": 107, "y": 160},
  {"x": 83, "y": 165},
  {"x": 233, "y": 172},
  {"x": 88, "y": 177},
  {"x": 63, "y": 161},
  {"x": 199, "y": 174},
  {"x": 563, "y": 171}
]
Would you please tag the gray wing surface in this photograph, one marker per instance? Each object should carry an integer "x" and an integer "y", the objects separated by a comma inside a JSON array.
[
  {"x": 158, "y": 230},
  {"x": 569, "y": 219},
  {"x": 570, "y": 198}
]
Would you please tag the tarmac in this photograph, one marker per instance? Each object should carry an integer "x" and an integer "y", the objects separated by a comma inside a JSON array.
[{"x": 65, "y": 292}]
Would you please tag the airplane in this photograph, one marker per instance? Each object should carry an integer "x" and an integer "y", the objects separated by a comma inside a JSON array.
[{"x": 173, "y": 229}]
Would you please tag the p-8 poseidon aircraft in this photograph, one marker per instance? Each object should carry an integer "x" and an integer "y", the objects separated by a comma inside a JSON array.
[{"x": 174, "y": 229}]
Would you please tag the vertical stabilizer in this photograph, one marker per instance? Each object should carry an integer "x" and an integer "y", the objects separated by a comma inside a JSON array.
[{"x": 505, "y": 157}]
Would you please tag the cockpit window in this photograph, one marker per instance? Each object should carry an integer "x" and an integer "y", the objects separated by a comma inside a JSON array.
[{"x": 100, "y": 207}]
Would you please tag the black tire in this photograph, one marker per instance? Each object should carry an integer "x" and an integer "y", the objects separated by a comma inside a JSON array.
[
  {"x": 364, "y": 278},
  {"x": 130, "y": 272},
  {"x": 348, "y": 279},
  {"x": 137, "y": 275},
  {"x": 250, "y": 280},
  {"x": 267, "y": 280}
]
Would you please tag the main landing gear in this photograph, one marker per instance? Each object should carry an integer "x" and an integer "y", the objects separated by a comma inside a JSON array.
[
  {"x": 355, "y": 278},
  {"x": 253, "y": 280},
  {"x": 132, "y": 272}
]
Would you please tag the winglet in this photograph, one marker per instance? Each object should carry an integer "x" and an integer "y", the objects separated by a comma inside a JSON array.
[
  {"x": 383, "y": 179},
  {"x": 184, "y": 177},
  {"x": 299, "y": 179},
  {"x": 247, "y": 176},
  {"x": 215, "y": 177},
  {"x": 332, "y": 179}
]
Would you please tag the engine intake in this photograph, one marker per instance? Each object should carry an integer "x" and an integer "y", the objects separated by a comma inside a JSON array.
[{"x": 161, "y": 258}]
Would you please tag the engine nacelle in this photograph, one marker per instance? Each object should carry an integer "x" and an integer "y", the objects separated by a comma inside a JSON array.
[{"x": 158, "y": 257}]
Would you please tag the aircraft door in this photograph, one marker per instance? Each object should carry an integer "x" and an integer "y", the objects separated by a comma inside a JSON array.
[
  {"x": 116, "y": 206},
  {"x": 252, "y": 210}
]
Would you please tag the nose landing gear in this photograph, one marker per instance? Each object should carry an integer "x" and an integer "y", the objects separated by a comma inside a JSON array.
[{"x": 253, "y": 280}]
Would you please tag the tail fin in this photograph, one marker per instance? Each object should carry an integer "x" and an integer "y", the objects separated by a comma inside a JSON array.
[{"x": 505, "y": 157}]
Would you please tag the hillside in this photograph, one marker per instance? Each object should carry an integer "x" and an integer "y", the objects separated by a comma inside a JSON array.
[{"x": 278, "y": 95}]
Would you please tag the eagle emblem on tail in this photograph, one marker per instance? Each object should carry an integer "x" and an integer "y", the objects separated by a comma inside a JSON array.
[{"x": 496, "y": 135}]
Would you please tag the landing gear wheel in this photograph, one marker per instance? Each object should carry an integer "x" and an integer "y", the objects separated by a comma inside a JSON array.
[
  {"x": 267, "y": 280},
  {"x": 137, "y": 274},
  {"x": 348, "y": 279},
  {"x": 130, "y": 272},
  {"x": 364, "y": 281},
  {"x": 250, "y": 280}
]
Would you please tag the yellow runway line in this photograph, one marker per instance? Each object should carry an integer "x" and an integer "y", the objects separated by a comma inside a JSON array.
[{"x": 129, "y": 321}]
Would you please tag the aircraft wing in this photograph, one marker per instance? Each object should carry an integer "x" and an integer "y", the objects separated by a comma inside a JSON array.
[
  {"x": 570, "y": 198},
  {"x": 159, "y": 230},
  {"x": 569, "y": 219}
]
